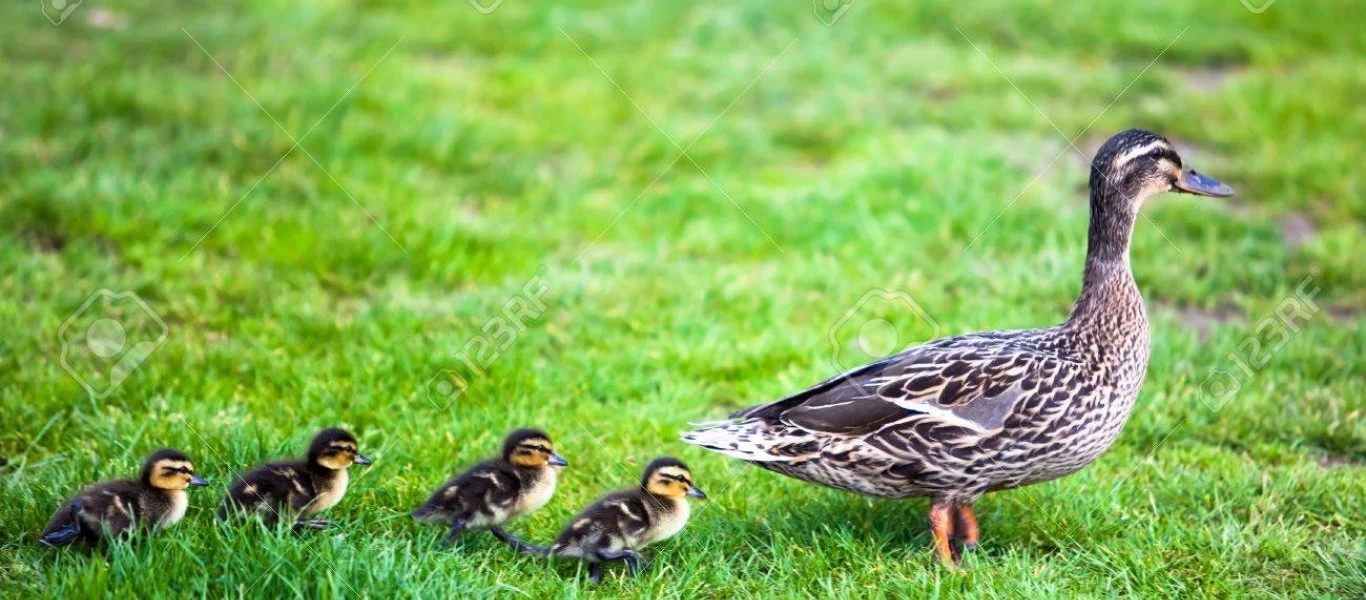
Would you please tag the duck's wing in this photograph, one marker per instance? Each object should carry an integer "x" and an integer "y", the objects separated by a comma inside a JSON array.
[
  {"x": 971, "y": 382},
  {"x": 490, "y": 487},
  {"x": 612, "y": 520}
]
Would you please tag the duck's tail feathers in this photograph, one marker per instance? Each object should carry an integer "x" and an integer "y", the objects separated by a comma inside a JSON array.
[
  {"x": 66, "y": 529},
  {"x": 754, "y": 440},
  {"x": 424, "y": 513}
]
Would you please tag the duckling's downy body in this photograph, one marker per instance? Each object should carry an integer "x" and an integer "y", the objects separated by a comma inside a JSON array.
[
  {"x": 496, "y": 491},
  {"x": 618, "y": 525},
  {"x": 156, "y": 500},
  {"x": 958, "y": 417},
  {"x": 297, "y": 489}
]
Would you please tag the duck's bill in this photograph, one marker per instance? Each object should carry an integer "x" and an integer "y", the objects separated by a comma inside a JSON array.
[
  {"x": 558, "y": 461},
  {"x": 1192, "y": 182},
  {"x": 198, "y": 481},
  {"x": 361, "y": 460},
  {"x": 696, "y": 493}
]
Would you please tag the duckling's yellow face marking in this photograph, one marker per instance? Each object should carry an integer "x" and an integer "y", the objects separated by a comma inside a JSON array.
[
  {"x": 533, "y": 452},
  {"x": 340, "y": 455},
  {"x": 172, "y": 475},
  {"x": 670, "y": 482}
]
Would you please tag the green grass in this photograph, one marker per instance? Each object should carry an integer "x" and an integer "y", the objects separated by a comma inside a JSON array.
[{"x": 870, "y": 154}]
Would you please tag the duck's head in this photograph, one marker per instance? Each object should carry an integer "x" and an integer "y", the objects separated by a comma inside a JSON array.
[
  {"x": 335, "y": 449},
  {"x": 168, "y": 469},
  {"x": 1137, "y": 164},
  {"x": 669, "y": 477},
  {"x": 531, "y": 448}
]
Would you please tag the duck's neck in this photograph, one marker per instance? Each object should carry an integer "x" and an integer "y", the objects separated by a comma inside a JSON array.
[{"x": 1108, "y": 291}]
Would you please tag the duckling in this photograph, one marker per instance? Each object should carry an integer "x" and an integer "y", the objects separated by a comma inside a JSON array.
[
  {"x": 618, "y": 525},
  {"x": 157, "y": 500},
  {"x": 297, "y": 488},
  {"x": 496, "y": 491}
]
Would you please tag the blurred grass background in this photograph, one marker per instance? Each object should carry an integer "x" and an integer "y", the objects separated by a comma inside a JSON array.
[{"x": 446, "y": 157}]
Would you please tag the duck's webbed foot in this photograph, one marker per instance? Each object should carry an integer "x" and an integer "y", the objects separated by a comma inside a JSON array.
[
  {"x": 964, "y": 531},
  {"x": 941, "y": 529},
  {"x": 306, "y": 524},
  {"x": 516, "y": 543},
  {"x": 954, "y": 528},
  {"x": 595, "y": 572},
  {"x": 635, "y": 563}
]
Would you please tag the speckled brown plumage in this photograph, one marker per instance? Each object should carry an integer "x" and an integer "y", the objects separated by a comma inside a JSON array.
[
  {"x": 294, "y": 490},
  {"x": 494, "y": 492},
  {"x": 156, "y": 500},
  {"x": 618, "y": 525},
  {"x": 958, "y": 417}
]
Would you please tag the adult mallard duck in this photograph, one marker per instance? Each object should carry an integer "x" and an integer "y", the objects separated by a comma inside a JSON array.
[{"x": 958, "y": 417}]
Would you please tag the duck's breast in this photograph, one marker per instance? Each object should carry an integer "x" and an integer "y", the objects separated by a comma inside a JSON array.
[
  {"x": 179, "y": 503},
  {"x": 538, "y": 493},
  {"x": 331, "y": 493},
  {"x": 668, "y": 522}
]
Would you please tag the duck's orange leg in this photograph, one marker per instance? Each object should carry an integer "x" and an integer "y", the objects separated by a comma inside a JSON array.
[
  {"x": 965, "y": 530},
  {"x": 941, "y": 528}
]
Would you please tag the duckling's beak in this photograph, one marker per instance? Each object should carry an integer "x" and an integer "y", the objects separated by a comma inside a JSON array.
[
  {"x": 1191, "y": 182},
  {"x": 557, "y": 460},
  {"x": 198, "y": 481},
  {"x": 696, "y": 493},
  {"x": 361, "y": 460}
]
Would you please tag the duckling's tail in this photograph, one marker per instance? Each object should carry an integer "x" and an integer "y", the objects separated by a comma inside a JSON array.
[
  {"x": 65, "y": 526},
  {"x": 755, "y": 440}
]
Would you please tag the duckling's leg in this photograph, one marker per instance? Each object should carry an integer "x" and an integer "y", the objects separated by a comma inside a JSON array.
[
  {"x": 633, "y": 559},
  {"x": 595, "y": 572},
  {"x": 964, "y": 530},
  {"x": 941, "y": 528},
  {"x": 457, "y": 527},
  {"x": 635, "y": 563},
  {"x": 303, "y": 524},
  {"x": 517, "y": 544}
]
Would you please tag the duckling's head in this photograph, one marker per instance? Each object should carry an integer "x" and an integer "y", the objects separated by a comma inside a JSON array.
[
  {"x": 669, "y": 477},
  {"x": 335, "y": 449},
  {"x": 531, "y": 448},
  {"x": 1138, "y": 164},
  {"x": 168, "y": 469}
]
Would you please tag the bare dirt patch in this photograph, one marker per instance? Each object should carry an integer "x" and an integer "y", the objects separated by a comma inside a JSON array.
[
  {"x": 1297, "y": 230},
  {"x": 1203, "y": 320},
  {"x": 1330, "y": 461},
  {"x": 1343, "y": 312},
  {"x": 1209, "y": 80},
  {"x": 45, "y": 242}
]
